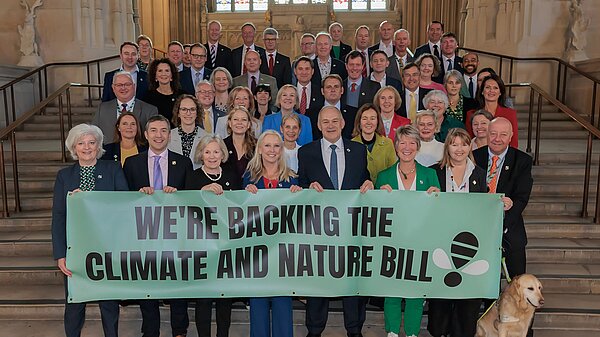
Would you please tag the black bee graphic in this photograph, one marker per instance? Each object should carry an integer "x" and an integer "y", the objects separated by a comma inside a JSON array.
[{"x": 463, "y": 250}]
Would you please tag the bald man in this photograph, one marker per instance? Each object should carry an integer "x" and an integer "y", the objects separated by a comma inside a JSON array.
[{"x": 509, "y": 173}]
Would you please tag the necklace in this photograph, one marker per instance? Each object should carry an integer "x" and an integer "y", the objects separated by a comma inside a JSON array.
[
  {"x": 405, "y": 175},
  {"x": 209, "y": 176}
]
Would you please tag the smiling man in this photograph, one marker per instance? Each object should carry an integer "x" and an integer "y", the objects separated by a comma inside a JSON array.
[
  {"x": 253, "y": 76},
  {"x": 238, "y": 54},
  {"x": 275, "y": 64},
  {"x": 129, "y": 54},
  {"x": 190, "y": 77},
  {"x": 435, "y": 30}
]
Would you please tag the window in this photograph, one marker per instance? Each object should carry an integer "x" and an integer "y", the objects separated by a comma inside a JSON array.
[{"x": 263, "y": 5}]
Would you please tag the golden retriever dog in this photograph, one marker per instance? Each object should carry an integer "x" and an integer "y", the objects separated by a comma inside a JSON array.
[{"x": 511, "y": 315}]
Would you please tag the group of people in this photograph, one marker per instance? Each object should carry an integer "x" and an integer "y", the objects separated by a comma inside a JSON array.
[{"x": 336, "y": 118}]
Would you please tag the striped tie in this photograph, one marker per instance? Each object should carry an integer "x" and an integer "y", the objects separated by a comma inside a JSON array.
[
  {"x": 492, "y": 177},
  {"x": 213, "y": 55}
]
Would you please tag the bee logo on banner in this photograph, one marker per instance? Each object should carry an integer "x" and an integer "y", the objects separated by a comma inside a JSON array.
[{"x": 462, "y": 251}]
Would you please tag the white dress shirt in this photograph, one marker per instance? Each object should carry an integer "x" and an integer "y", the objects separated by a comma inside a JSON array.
[{"x": 341, "y": 160}]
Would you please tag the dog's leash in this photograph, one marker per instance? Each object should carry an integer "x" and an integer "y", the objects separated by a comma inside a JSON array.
[{"x": 508, "y": 279}]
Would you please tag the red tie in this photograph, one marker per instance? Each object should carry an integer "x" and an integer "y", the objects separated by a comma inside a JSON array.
[
  {"x": 353, "y": 88},
  {"x": 271, "y": 61},
  {"x": 244, "y": 60},
  {"x": 364, "y": 72},
  {"x": 124, "y": 108},
  {"x": 303, "y": 101}
]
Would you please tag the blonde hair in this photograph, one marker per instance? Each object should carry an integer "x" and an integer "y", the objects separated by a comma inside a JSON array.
[
  {"x": 203, "y": 143},
  {"x": 397, "y": 98},
  {"x": 255, "y": 165},
  {"x": 233, "y": 94},
  {"x": 452, "y": 135},
  {"x": 249, "y": 140},
  {"x": 280, "y": 94}
]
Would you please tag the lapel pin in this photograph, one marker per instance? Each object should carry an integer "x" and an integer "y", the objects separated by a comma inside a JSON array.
[
  {"x": 474, "y": 182},
  {"x": 348, "y": 150},
  {"x": 506, "y": 168},
  {"x": 173, "y": 162},
  {"x": 99, "y": 176},
  {"x": 227, "y": 183},
  {"x": 362, "y": 93},
  {"x": 141, "y": 80},
  {"x": 421, "y": 182},
  {"x": 115, "y": 156},
  {"x": 230, "y": 152}
]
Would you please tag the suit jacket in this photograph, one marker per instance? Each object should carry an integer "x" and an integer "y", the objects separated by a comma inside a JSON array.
[
  {"x": 136, "y": 171},
  {"x": 273, "y": 122},
  {"x": 368, "y": 89},
  {"x": 403, "y": 111},
  {"x": 457, "y": 65},
  {"x": 424, "y": 49},
  {"x": 223, "y": 58},
  {"x": 175, "y": 144},
  {"x": 425, "y": 177},
  {"x": 375, "y": 47},
  {"x": 392, "y": 70},
  {"x": 316, "y": 103},
  {"x": 187, "y": 82},
  {"x": 311, "y": 167},
  {"x": 260, "y": 184},
  {"x": 381, "y": 156},
  {"x": 515, "y": 182},
  {"x": 113, "y": 151},
  {"x": 236, "y": 59},
  {"x": 141, "y": 85},
  {"x": 282, "y": 69},
  {"x": 109, "y": 177},
  {"x": 477, "y": 179},
  {"x": 344, "y": 50},
  {"x": 337, "y": 67},
  {"x": 106, "y": 116},
  {"x": 349, "y": 115},
  {"x": 242, "y": 80},
  {"x": 508, "y": 113}
]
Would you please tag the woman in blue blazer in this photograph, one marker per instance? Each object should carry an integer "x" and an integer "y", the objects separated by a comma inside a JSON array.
[
  {"x": 267, "y": 169},
  {"x": 406, "y": 175},
  {"x": 87, "y": 174}
]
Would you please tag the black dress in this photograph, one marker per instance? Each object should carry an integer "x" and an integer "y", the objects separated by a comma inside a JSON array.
[
  {"x": 164, "y": 103},
  {"x": 238, "y": 164}
]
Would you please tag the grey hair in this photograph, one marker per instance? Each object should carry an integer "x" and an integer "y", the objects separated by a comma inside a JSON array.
[
  {"x": 204, "y": 82},
  {"x": 225, "y": 71},
  {"x": 270, "y": 31},
  {"x": 123, "y": 73},
  {"x": 81, "y": 130},
  {"x": 425, "y": 113},
  {"x": 453, "y": 73},
  {"x": 408, "y": 131},
  {"x": 436, "y": 94},
  {"x": 400, "y": 31},
  {"x": 204, "y": 141}
]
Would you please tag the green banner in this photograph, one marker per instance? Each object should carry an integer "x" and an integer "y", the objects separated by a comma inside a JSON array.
[{"x": 193, "y": 244}]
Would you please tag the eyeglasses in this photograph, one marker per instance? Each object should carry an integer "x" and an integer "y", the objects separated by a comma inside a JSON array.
[
  {"x": 205, "y": 92},
  {"x": 123, "y": 85},
  {"x": 187, "y": 110},
  {"x": 307, "y": 43},
  {"x": 198, "y": 56},
  {"x": 270, "y": 39}
]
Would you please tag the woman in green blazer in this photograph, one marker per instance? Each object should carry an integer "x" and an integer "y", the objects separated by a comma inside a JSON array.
[
  {"x": 368, "y": 130},
  {"x": 407, "y": 175}
]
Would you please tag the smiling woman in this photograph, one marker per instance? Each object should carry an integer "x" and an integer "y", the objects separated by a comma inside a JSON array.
[{"x": 164, "y": 87}]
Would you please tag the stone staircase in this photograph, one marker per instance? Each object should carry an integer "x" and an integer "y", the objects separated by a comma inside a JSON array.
[{"x": 563, "y": 250}]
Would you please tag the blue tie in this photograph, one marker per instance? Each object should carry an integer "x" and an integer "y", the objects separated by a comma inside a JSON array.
[
  {"x": 158, "y": 179},
  {"x": 333, "y": 167}
]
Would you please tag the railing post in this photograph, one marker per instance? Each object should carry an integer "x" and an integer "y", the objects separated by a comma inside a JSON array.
[
  {"x": 564, "y": 84},
  {"x": 69, "y": 119},
  {"x": 586, "y": 179},
  {"x": 99, "y": 80},
  {"x": 558, "y": 73},
  {"x": 536, "y": 160},
  {"x": 500, "y": 67},
  {"x": 592, "y": 119},
  {"x": 597, "y": 216},
  {"x": 13, "y": 103},
  {"x": 5, "y": 107},
  {"x": 510, "y": 77},
  {"x": 89, "y": 89},
  {"x": 62, "y": 129},
  {"x": 530, "y": 121},
  {"x": 13, "y": 152},
  {"x": 5, "y": 211},
  {"x": 46, "y": 81}
]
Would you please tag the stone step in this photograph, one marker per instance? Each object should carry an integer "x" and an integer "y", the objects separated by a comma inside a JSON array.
[
  {"x": 567, "y": 278},
  {"x": 555, "y": 206},
  {"x": 563, "y": 171},
  {"x": 38, "y": 135},
  {"x": 552, "y": 125},
  {"x": 563, "y": 251},
  {"x": 31, "y": 185},
  {"x": 562, "y": 230}
]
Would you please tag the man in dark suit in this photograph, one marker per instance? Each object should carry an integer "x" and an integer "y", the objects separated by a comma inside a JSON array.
[
  {"x": 190, "y": 77},
  {"x": 508, "y": 172},
  {"x": 470, "y": 66},
  {"x": 336, "y": 30},
  {"x": 205, "y": 93},
  {"x": 386, "y": 32},
  {"x": 324, "y": 64},
  {"x": 358, "y": 90},
  {"x": 362, "y": 38},
  {"x": 218, "y": 54},
  {"x": 159, "y": 169},
  {"x": 334, "y": 163},
  {"x": 125, "y": 101},
  {"x": 412, "y": 96},
  {"x": 379, "y": 64},
  {"x": 402, "y": 55},
  {"x": 274, "y": 63},
  {"x": 175, "y": 54},
  {"x": 310, "y": 96},
  {"x": 450, "y": 60},
  {"x": 253, "y": 76},
  {"x": 435, "y": 29},
  {"x": 238, "y": 55},
  {"x": 332, "y": 89},
  {"x": 129, "y": 57}
]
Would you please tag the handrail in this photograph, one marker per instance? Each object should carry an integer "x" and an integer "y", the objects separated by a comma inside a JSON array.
[
  {"x": 9, "y": 134},
  {"x": 593, "y": 132}
]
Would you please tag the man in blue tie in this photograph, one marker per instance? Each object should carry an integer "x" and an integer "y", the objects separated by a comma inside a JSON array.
[
  {"x": 147, "y": 172},
  {"x": 334, "y": 163}
]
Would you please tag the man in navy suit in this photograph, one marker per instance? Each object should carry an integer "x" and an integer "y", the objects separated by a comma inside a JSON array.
[
  {"x": 358, "y": 90},
  {"x": 435, "y": 30},
  {"x": 450, "y": 60},
  {"x": 159, "y": 169},
  {"x": 218, "y": 54},
  {"x": 333, "y": 91},
  {"x": 238, "y": 55},
  {"x": 386, "y": 32},
  {"x": 334, "y": 163},
  {"x": 190, "y": 77},
  {"x": 508, "y": 172},
  {"x": 175, "y": 54},
  {"x": 362, "y": 39},
  {"x": 402, "y": 55},
  {"x": 129, "y": 57},
  {"x": 412, "y": 95},
  {"x": 379, "y": 64},
  {"x": 274, "y": 63},
  {"x": 324, "y": 64},
  {"x": 310, "y": 97}
]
